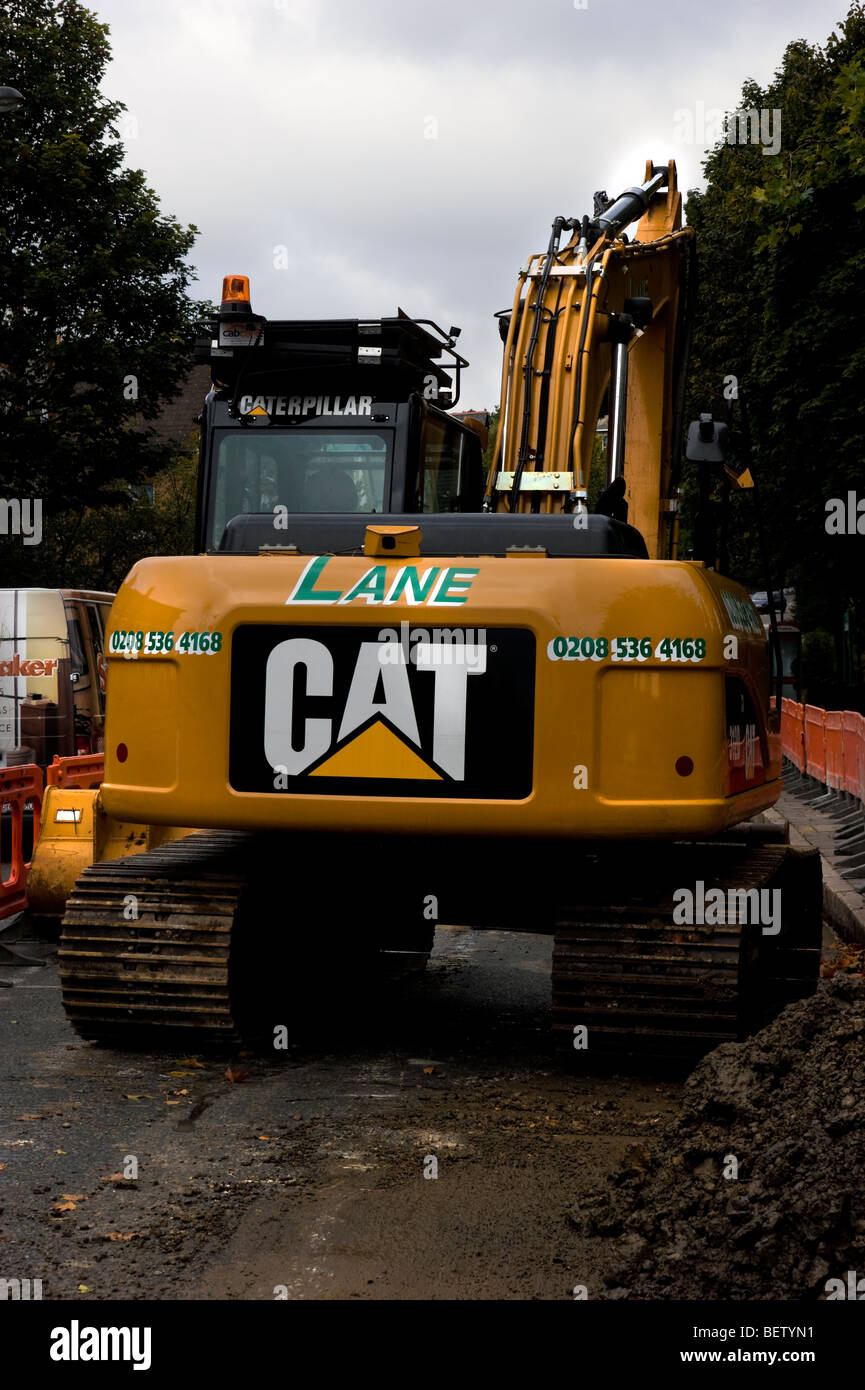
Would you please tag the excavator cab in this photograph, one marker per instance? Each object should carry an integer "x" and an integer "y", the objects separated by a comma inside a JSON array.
[{"x": 327, "y": 418}]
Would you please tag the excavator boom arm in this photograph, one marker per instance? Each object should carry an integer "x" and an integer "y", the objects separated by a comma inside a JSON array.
[{"x": 595, "y": 322}]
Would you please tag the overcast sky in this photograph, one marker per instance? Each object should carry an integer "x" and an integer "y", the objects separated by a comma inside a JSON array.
[{"x": 414, "y": 153}]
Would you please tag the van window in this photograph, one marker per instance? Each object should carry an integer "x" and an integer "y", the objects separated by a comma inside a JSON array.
[
  {"x": 94, "y": 614},
  {"x": 77, "y": 652}
]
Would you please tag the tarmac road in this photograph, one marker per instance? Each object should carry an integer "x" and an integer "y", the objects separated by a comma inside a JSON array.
[{"x": 304, "y": 1177}]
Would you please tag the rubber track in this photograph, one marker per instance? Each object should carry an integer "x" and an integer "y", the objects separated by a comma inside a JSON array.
[
  {"x": 643, "y": 985},
  {"x": 168, "y": 967}
]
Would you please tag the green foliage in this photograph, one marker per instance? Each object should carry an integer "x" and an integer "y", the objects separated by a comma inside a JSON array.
[
  {"x": 97, "y": 546},
  {"x": 818, "y": 656},
  {"x": 597, "y": 473},
  {"x": 95, "y": 320},
  {"x": 782, "y": 309},
  {"x": 495, "y": 415}
]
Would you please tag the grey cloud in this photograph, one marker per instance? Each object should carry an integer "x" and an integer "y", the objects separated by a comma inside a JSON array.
[{"x": 303, "y": 124}]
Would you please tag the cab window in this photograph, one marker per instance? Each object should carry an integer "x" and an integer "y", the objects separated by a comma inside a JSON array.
[
  {"x": 449, "y": 468},
  {"x": 301, "y": 470}
]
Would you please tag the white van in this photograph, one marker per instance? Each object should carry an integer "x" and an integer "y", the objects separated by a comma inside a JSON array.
[{"x": 52, "y": 673}]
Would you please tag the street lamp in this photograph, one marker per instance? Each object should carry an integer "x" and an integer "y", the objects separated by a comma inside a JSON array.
[{"x": 10, "y": 100}]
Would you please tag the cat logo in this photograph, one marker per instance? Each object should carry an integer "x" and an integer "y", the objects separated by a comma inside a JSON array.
[
  {"x": 337, "y": 711},
  {"x": 379, "y": 702}
]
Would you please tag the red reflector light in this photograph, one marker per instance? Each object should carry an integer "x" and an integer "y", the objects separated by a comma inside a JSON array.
[
  {"x": 684, "y": 766},
  {"x": 122, "y": 752}
]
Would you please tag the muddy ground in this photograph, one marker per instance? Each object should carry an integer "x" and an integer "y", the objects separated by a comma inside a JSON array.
[
  {"x": 754, "y": 1190},
  {"x": 304, "y": 1176}
]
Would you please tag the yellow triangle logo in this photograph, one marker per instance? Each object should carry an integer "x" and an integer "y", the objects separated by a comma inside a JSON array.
[{"x": 377, "y": 752}]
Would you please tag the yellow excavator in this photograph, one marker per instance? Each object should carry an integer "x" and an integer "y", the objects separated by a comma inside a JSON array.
[{"x": 387, "y": 692}]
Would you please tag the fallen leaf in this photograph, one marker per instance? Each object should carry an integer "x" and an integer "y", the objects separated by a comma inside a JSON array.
[
  {"x": 29, "y": 1117},
  {"x": 267, "y": 1136},
  {"x": 172, "y": 1102},
  {"x": 115, "y": 1177},
  {"x": 180, "y": 1073},
  {"x": 120, "y": 1235},
  {"x": 235, "y": 1073},
  {"x": 189, "y": 1062},
  {"x": 850, "y": 959},
  {"x": 74, "y": 1197},
  {"x": 64, "y": 1206},
  {"x": 60, "y": 1151},
  {"x": 82, "y": 1288},
  {"x": 139, "y": 1097},
  {"x": 2, "y": 1166}
]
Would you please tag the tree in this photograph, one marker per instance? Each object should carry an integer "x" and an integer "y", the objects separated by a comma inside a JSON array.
[
  {"x": 95, "y": 320},
  {"x": 782, "y": 312},
  {"x": 99, "y": 544},
  {"x": 495, "y": 416}
]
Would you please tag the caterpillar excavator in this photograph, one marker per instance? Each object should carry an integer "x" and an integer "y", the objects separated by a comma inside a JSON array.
[{"x": 387, "y": 692}]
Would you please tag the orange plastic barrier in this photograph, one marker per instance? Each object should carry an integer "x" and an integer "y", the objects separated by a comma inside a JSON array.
[
  {"x": 853, "y": 736},
  {"x": 815, "y": 742},
  {"x": 793, "y": 732},
  {"x": 834, "y": 778},
  {"x": 786, "y": 731},
  {"x": 828, "y": 745},
  {"x": 83, "y": 770},
  {"x": 18, "y": 785}
]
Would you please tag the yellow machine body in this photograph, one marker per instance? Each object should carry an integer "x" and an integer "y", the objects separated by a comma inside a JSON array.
[
  {"x": 636, "y": 699},
  {"x": 76, "y": 831},
  {"x": 607, "y": 736}
]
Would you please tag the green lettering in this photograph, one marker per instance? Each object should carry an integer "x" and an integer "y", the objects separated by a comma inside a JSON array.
[
  {"x": 305, "y": 591},
  {"x": 370, "y": 586},
  {"x": 420, "y": 585},
  {"x": 453, "y": 586}
]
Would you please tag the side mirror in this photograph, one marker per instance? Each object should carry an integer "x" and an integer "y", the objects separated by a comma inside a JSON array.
[{"x": 707, "y": 441}]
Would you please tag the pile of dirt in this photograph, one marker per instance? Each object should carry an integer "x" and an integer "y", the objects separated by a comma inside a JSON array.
[{"x": 788, "y": 1107}]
